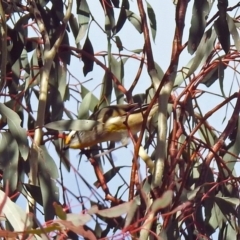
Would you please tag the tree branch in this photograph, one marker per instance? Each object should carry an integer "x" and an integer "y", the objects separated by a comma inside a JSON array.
[{"x": 49, "y": 55}]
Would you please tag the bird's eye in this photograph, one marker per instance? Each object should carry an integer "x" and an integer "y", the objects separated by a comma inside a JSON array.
[
  {"x": 78, "y": 135},
  {"x": 73, "y": 136}
]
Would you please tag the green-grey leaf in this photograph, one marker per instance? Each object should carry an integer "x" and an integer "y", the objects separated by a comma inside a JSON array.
[
  {"x": 230, "y": 157},
  {"x": 138, "y": 51},
  {"x": 163, "y": 201},
  {"x": 135, "y": 20},
  {"x": 116, "y": 211},
  {"x": 88, "y": 103},
  {"x": 132, "y": 211},
  {"x": 234, "y": 32},
  {"x": 47, "y": 174},
  {"x": 232, "y": 200},
  {"x": 214, "y": 216},
  {"x": 83, "y": 19},
  {"x": 9, "y": 155},
  {"x": 221, "y": 68},
  {"x": 215, "y": 73},
  {"x": 74, "y": 26},
  {"x": 122, "y": 17},
  {"x": 109, "y": 17},
  {"x": 34, "y": 191},
  {"x": 204, "y": 49},
  {"x": 109, "y": 175},
  {"x": 15, "y": 215},
  {"x": 152, "y": 18},
  {"x": 160, "y": 72},
  {"x": 183, "y": 73},
  {"x": 24, "y": 61},
  {"x": 118, "y": 70},
  {"x": 106, "y": 90},
  {"x": 88, "y": 62},
  {"x": 67, "y": 125},
  {"x": 62, "y": 80},
  {"x": 198, "y": 24},
  {"x": 119, "y": 43},
  {"x": 14, "y": 124},
  {"x": 78, "y": 219},
  {"x": 221, "y": 27},
  {"x": 56, "y": 102}
]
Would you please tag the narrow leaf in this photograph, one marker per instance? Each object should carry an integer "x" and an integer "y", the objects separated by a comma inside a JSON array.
[
  {"x": 122, "y": 17},
  {"x": 118, "y": 71},
  {"x": 119, "y": 43},
  {"x": 152, "y": 18},
  {"x": 116, "y": 211},
  {"x": 20, "y": 134},
  {"x": 88, "y": 62},
  {"x": 233, "y": 151},
  {"x": 106, "y": 90},
  {"x": 221, "y": 25},
  {"x": 198, "y": 23},
  {"x": 163, "y": 201},
  {"x": 83, "y": 19},
  {"x": 88, "y": 103},
  {"x": 59, "y": 211},
  {"x": 135, "y": 20},
  {"x": 18, "y": 218},
  {"x": 223, "y": 33},
  {"x": 204, "y": 49},
  {"x": 221, "y": 68},
  {"x": 77, "y": 125},
  {"x": 109, "y": 175},
  {"x": 9, "y": 155},
  {"x": 47, "y": 173},
  {"x": 234, "y": 32}
]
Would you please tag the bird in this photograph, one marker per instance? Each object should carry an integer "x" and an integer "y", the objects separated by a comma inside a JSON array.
[{"x": 113, "y": 124}]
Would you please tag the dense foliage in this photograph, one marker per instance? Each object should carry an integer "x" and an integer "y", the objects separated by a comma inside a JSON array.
[{"x": 64, "y": 60}]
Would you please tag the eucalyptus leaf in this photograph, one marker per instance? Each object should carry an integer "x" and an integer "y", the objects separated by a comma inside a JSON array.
[
  {"x": 152, "y": 19},
  {"x": 47, "y": 174},
  {"x": 15, "y": 214},
  {"x": 88, "y": 62},
  {"x": 122, "y": 17},
  {"x": 67, "y": 125},
  {"x": 118, "y": 71},
  {"x": 106, "y": 90},
  {"x": 221, "y": 27},
  {"x": 135, "y": 20},
  {"x": 19, "y": 133},
  {"x": 9, "y": 155},
  {"x": 83, "y": 19},
  {"x": 234, "y": 32},
  {"x": 204, "y": 49},
  {"x": 232, "y": 151},
  {"x": 198, "y": 23},
  {"x": 88, "y": 103}
]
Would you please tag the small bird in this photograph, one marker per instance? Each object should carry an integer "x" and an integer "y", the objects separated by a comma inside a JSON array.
[{"x": 115, "y": 122}]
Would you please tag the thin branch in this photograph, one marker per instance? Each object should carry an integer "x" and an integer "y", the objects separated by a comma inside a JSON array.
[
  {"x": 228, "y": 130},
  {"x": 48, "y": 55},
  {"x": 168, "y": 80},
  {"x": 148, "y": 47}
]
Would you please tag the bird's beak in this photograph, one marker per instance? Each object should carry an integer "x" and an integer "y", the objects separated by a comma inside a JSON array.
[
  {"x": 67, "y": 140},
  {"x": 66, "y": 143}
]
